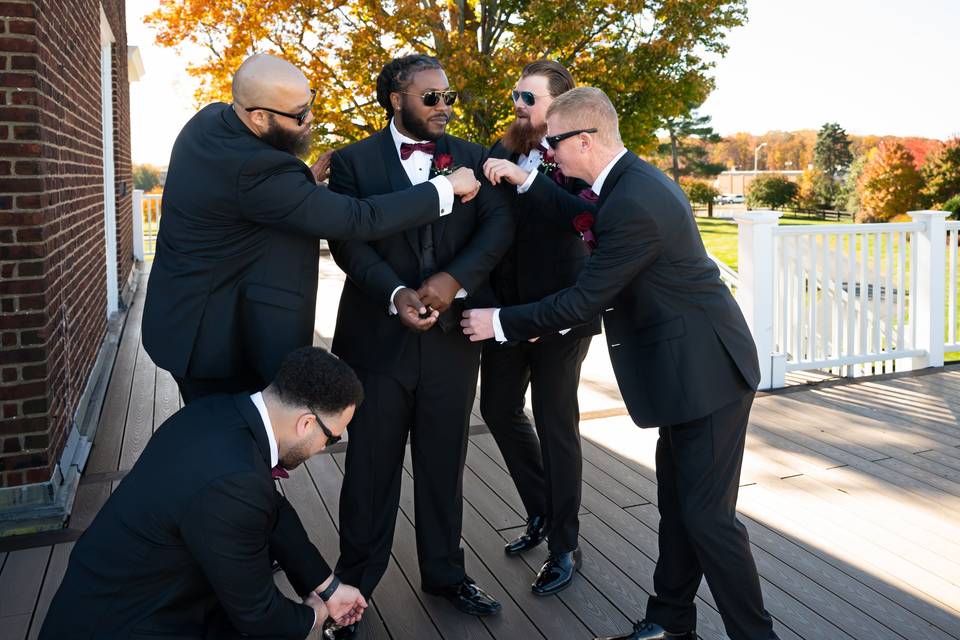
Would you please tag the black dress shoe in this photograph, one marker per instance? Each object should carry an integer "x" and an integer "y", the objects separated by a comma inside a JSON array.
[
  {"x": 333, "y": 631},
  {"x": 644, "y": 630},
  {"x": 468, "y": 597},
  {"x": 557, "y": 572},
  {"x": 534, "y": 535}
]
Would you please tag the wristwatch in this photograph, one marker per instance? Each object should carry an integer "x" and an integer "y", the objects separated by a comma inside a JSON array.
[{"x": 327, "y": 593}]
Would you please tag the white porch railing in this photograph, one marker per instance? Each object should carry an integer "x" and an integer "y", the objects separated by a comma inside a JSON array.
[
  {"x": 145, "y": 225},
  {"x": 853, "y": 299}
]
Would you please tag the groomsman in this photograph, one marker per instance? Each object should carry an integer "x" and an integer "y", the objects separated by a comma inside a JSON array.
[
  {"x": 397, "y": 326},
  {"x": 233, "y": 286},
  {"x": 683, "y": 356},
  {"x": 545, "y": 257}
]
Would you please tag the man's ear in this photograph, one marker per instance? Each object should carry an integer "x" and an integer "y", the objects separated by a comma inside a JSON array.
[
  {"x": 304, "y": 424},
  {"x": 395, "y": 101}
]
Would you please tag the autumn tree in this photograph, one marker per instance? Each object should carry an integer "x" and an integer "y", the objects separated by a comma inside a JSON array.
[
  {"x": 651, "y": 58},
  {"x": 889, "y": 183},
  {"x": 145, "y": 176},
  {"x": 686, "y": 148},
  {"x": 700, "y": 192},
  {"x": 771, "y": 191},
  {"x": 941, "y": 175}
]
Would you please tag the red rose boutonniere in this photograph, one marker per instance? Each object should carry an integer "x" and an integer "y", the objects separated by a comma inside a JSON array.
[
  {"x": 443, "y": 164},
  {"x": 583, "y": 223}
]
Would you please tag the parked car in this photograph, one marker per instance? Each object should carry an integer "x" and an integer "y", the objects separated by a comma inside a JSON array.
[{"x": 730, "y": 198}]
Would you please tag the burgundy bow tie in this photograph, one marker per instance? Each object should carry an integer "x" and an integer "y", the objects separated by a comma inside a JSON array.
[
  {"x": 542, "y": 149},
  {"x": 279, "y": 472},
  {"x": 407, "y": 148}
]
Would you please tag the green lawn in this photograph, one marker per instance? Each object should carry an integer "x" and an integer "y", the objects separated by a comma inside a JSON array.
[{"x": 720, "y": 235}]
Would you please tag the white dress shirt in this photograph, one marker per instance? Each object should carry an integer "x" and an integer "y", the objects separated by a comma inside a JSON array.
[
  {"x": 261, "y": 406},
  {"x": 531, "y": 162},
  {"x": 417, "y": 167},
  {"x": 597, "y": 186}
]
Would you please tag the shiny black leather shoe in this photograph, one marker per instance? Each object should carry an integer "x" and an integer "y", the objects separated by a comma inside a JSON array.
[
  {"x": 468, "y": 598},
  {"x": 535, "y": 534},
  {"x": 333, "y": 631},
  {"x": 557, "y": 572},
  {"x": 644, "y": 630}
]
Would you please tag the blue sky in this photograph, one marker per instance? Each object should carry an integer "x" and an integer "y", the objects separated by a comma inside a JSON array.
[{"x": 885, "y": 67}]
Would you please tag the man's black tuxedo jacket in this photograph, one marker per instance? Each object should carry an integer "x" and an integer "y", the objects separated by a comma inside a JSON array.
[
  {"x": 468, "y": 243},
  {"x": 181, "y": 547},
  {"x": 678, "y": 341},
  {"x": 547, "y": 252},
  {"x": 234, "y": 282}
]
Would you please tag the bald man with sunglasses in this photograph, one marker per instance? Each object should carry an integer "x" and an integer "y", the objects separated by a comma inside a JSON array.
[{"x": 233, "y": 285}]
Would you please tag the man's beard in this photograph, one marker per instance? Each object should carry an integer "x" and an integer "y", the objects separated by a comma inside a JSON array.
[
  {"x": 297, "y": 455},
  {"x": 522, "y": 137},
  {"x": 416, "y": 127},
  {"x": 293, "y": 142}
]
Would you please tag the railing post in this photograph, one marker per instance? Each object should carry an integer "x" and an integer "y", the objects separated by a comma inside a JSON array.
[
  {"x": 929, "y": 298},
  {"x": 755, "y": 292},
  {"x": 138, "y": 225}
]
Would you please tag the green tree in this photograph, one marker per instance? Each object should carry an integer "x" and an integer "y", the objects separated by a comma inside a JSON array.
[
  {"x": 145, "y": 176},
  {"x": 889, "y": 184},
  {"x": 699, "y": 192},
  {"x": 848, "y": 198},
  {"x": 941, "y": 175},
  {"x": 687, "y": 148},
  {"x": 771, "y": 191},
  {"x": 652, "y": 58},
  {"x": 831, "y": 155}
]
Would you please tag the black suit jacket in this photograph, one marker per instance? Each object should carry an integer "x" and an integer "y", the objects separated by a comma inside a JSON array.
[
  {"x": 678, "y": 342},
  {"x": 547, "y": 253},
  {"x": 468, "y": 243},
  {"x": 181, "y": 547},
  {"x": 233, "y": 284}
]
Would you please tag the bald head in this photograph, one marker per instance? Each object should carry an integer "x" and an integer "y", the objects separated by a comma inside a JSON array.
[{"x": 268, "y": 81}]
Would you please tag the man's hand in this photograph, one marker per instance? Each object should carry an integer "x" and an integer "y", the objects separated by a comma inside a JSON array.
[
  {"x": 413, "y": 313},
  {"x": 465, "y": 183},
  {"x": 439, "y": 290},
  {"x": 497, "y": 169},
  {"x": 321, "y": 168},
  {"x": 319, "y": 607},
  {"x": 346, "y": 605},
  {"x": 478, "y": 324}
]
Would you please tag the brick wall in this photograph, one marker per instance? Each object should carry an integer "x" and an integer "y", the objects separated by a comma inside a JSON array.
[{"x": 52, "y": 256}]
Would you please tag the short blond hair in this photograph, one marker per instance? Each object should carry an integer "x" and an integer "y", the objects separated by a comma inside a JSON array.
[{"x": 588, "y": 107}]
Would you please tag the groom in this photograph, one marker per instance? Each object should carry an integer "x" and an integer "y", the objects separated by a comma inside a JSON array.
[
  {"x": 397, "y": 326},
  {"x": 683, "y": 356}
]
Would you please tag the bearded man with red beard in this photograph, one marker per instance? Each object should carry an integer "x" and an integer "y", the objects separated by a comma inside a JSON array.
[{"x": 545, "y": 257}]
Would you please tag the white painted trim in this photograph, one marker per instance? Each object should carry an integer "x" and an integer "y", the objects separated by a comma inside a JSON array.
[
  {"x": 135, "y": 69},
  {"x": 109, "y": 190},
  {"x": 106, "y": 33}
]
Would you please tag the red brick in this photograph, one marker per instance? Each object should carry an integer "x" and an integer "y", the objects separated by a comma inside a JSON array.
[
  {"x": 26, "y": 97},
  {"x": 17, "y": 356},
  {"x": 29, "y": 269},
  {"x": 38, "y": 441},
  {"x": 9, "y": 410},
  {"x": 19, "y": 149},
  {"x": 33, "y": 234},
  {"x": 23, "y": 461},
  {"x": 33, "y": 202},
  {"x": 19, "y": 252},
  {"x": 15, "y": 80},
  {"x": 34, "y": 372},
  {"x": 26, "y": 168},
  {"x": 37, "y": 475},
  {"x": 24, "y": 45},
  {"x": 9, "y": 374},
  {"x": 26, "y": 133},
  {"x": 12, "y": 479},
  {"x": 12, "y": 445},
  {"x": 25, "y": 390},
  {"x": 23, "y": 27},
  {"x": 16, "y": 9},
  {"x": 31, "y": 407}
]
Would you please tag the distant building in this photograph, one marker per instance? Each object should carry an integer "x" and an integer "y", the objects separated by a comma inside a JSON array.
[{"x": 737, "y": 182}]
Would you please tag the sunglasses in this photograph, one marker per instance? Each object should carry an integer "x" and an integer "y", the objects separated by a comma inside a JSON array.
[
  {"x": 331, "y": 439},
  {"x": 299, "y": 117},
  {"x": 553, "y": 141},
  {"x": 529, "y": 97},
  {"x": 432, "y": 98}
]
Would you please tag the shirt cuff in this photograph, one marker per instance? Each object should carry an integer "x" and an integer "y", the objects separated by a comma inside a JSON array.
[
  {"x": 314, "y": 623},
  {"x": 445, "y": 189},
  {"x": 392, "y": 309},
  {"x": 523, "y": 188},
  {"x": 498, "y": 328},
  {"x": 564, "y": 332},
  {"x": 460, "y": 294}
]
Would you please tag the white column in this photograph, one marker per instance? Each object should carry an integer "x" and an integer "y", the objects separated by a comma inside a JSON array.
[
  {"x": 138, "y": 225},
  {"x": 929, "y": 297},
  {"x": 109, "y": 192},
  {"x": 755, "y": 292}
]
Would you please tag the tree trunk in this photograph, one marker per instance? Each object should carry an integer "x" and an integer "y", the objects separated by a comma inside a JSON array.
[
  {"x": 676, "y": 163},
  {"x": 710, "y": 209}
]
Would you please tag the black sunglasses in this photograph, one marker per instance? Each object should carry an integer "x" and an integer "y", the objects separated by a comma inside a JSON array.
[
  {"x": 299, "y": 117},
  {"x": 331, "y": 439},
  {"x": 529, "y": 97},
  {"x": 553, "y": 141},
  {"x": 432, "y": 98}
]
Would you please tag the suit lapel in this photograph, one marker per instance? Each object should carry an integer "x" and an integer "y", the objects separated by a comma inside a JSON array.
[
  {"x": 251, "y": 416},
  {"x": 399, "y": 181},
  {"x": 614, "y": 176},
  {"x": 443, "y": 146}
]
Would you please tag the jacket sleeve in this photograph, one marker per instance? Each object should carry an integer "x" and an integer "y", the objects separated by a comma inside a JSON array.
[
  {"x": 361, "y": 262},
  {"x": 490, "y": 240},
  {"x": 277, "y": 190},
  {"x": 628, "y": 241},
  {"x": 554, "y": 204},
  {"x": 291, "y": 547},
  {"x": 226, "y": 528}
]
